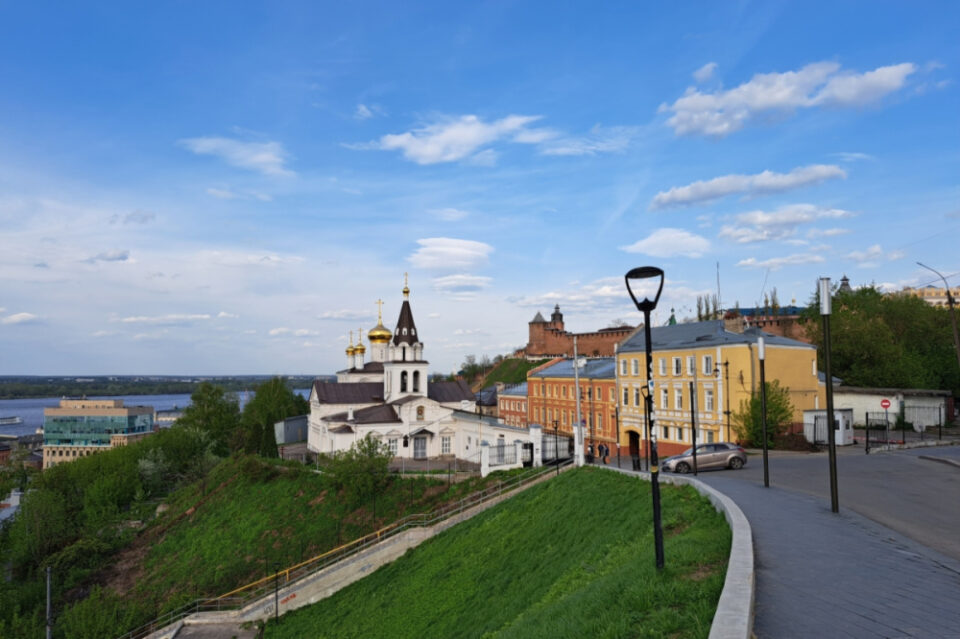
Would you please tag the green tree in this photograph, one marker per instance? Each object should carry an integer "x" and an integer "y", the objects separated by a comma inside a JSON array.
[
  {"x": 272, "y": 402},
  {"x": 748, "y": 420},
  {"x": 215, "y": 411},
  {"x": 362, "y": 471}
]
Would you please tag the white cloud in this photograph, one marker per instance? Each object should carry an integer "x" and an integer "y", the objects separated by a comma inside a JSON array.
[
  {"x": 268, "y": 158},
  {"x": 445, "y": 253},
  {"x": 705, "y": 72},
  {"x": 819, "y": 84},
  {"x": 298, "y": 332},
  {"x": 750, "y": 185},
  {"x": 776, "y": 263},
  {"x": 453, "y": 139},
  {"x": 461, "y": 283},
  {"x": 362, "y": 112},
  {"x": 133, "y": 217},
  {"x": 450, "y": 214},
  {"x": 814, "y": 233},
  {"x": 600, "y": 140},
  {"x": 345, "y": 314},
  {"x": 223, "y": 194},
  {"x": 669, "y": 242},
  {"x": 759, "y": 226},
  {"x": 20, "y": 318},
  {"x": 227, "y": 194},
  {"x": 851, "y": 156},
  {"x": 109, "y": 256},
  {"x": 226, "y": 315},
  {"x": 874, "y": 256},
  {"x": 171, "y": 318}
]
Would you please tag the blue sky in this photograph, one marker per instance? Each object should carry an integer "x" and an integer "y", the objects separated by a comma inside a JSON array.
[{"x": 230, "y": 187}]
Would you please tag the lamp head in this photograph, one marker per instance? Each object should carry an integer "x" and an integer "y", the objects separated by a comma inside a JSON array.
[
  {"x": 825, "y": 296},
  {"x": 646, "y": 303}
]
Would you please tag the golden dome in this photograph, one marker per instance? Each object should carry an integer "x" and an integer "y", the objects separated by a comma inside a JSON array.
[
  {"x": 360, "y": 349},
  {"x": 350, "y": 349},
  {"x": 379, "y": 334}
]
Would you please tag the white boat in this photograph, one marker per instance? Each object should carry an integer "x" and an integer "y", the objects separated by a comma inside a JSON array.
[{"x": 11, "y": 421}]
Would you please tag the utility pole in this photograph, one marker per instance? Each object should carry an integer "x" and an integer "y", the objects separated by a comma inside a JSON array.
[
  {"x": 578, "y": 431},
  {"x": 953, "y": 314},
  {"x": 49, "y": 606}
]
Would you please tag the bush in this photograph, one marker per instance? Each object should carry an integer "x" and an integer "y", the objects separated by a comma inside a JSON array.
[{"x": 749, "y": 419}]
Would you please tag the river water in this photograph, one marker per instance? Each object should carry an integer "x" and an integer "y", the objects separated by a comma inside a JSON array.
[{"x": 31, "y": 410}]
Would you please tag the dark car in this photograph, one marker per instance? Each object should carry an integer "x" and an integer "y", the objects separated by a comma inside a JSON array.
[{"x": 722, "y": 455}]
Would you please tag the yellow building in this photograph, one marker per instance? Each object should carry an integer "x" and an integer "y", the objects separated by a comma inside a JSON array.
[
  {"x": 721, "y": 359},
  {"x": 932, "y": 295}
]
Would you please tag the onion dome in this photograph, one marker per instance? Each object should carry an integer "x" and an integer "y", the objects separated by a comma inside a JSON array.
[
  {"x": 351, "y": 349},
  {"x": 359, "y": 349},
  {"x": 379, "y": 334}
]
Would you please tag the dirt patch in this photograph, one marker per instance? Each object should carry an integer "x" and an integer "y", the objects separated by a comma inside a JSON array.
[
  {"x": 702, "y": 572},
  {"x": 123, "y": 575},
  {"x": 318, "y": 499}
]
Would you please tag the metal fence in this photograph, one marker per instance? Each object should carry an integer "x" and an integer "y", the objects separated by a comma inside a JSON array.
[
  {"x": 245, "y": 595},
  {"x": 556, "y": 447},
  {"x": 502, "y": 454}
]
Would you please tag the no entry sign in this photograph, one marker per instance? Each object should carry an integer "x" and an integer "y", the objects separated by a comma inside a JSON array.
[{"x": 884, "y": 403}]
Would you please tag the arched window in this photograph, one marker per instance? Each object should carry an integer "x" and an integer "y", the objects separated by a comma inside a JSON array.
[
  {"x": 403, "y": 352},
  {"x": 403, "y": 381},
  {"x": 416, "y": 381}
]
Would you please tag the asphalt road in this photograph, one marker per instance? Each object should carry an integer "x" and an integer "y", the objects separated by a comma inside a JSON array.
[{"x": 919, "y": 498}]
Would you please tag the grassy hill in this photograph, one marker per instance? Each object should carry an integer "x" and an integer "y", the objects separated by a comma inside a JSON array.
[
  {"x": 571, "y": 557},
  {"x": 510, "y": 371}
]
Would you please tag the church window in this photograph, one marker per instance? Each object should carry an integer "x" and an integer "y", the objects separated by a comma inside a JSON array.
[
  {"x": 392, "y": 443},
  {"x": 445, "y": 445},
  {"x": 416, "y": 382},
  {"x": 403, "y": 381},
  {"x": 404, "y": 331},
  {"x": 419, "y": 412},
  {"x": 413, "y": 331}
]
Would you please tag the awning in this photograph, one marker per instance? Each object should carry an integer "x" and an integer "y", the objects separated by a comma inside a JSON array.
[{"x": 421, "y": 431}]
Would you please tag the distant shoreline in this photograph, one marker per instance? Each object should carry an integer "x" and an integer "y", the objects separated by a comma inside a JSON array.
[{"x": 34, "y": 387}]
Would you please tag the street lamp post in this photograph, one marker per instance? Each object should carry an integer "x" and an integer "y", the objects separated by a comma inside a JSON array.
[
  {"x": 726, "y": 393},
  {"x": 953, "y": 316},
  {"x": 646, "y": 305},
  {"x": 831, "y": 436},
  {"x": 763, "y": 408},
  {"x": 556, "y": 445}
]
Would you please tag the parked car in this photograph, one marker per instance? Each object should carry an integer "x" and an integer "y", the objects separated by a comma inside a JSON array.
[{"x": 722, "y": 455}]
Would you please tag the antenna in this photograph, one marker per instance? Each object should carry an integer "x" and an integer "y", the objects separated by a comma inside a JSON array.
[
  {"x": 719, "y": 299},
  {"x": 764, "y": 287}
]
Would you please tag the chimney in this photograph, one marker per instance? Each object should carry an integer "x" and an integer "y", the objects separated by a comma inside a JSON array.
[{"x": 350, "y": 414}]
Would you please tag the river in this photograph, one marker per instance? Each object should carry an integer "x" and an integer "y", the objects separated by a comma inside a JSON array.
[{"x": 31, "y": 410}]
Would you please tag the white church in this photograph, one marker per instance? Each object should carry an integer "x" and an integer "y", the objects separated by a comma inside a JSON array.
[{"x": 392, "y": 399}]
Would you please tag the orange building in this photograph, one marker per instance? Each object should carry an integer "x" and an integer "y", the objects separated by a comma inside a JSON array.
[
  {"x": 512, "y": 404},
  {"x": 552, "y": 399}
]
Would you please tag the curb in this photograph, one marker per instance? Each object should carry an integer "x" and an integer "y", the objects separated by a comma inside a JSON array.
[
  {"x": 734, "y": 616},
  {"x": 930, "y": 443},
  {"x": 942, "y": 460}
]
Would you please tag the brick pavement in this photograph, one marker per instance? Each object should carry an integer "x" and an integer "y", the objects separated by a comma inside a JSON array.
[{"x": 820, "y": 574}]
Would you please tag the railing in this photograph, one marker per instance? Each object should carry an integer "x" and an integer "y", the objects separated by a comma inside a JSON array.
[{"x": 240, "y": 597}]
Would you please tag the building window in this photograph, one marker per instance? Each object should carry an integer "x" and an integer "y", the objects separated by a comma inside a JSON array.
[
  {"x": 691, "y": 364},
  {"x": 623, "y": 367},
  {"x": 445, "y": 445},
  {"x": 636, "y": 396},
  {"x": 416, "y": 381},
  {"x": 666, "y": 432},
  {"x": 708, "y": 365},
  {"x": 709, "y": 436},
  {"x": 678, "y": 398},
  {"x": 613, "y": 395},
  {"x": 664, "y": 399},
  {"x": 626, "y": 396},
  {"x": 663, "y": 366},
  {"x": 392, "y": 444},
  {"x": 635, "y": 364},
  {"x": 599, "y": 421},
  {"x": 564, "y": 391},
  {"x": 403, "y": 381},
  {"x": 677, "y": 367},
  {"x": 708, "y": 399}
]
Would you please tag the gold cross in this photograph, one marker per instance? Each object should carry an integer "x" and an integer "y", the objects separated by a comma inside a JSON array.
[{"x": 380, "y": 310}]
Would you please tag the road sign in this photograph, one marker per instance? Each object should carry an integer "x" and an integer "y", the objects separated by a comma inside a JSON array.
[{"x": 884, "y": 403}]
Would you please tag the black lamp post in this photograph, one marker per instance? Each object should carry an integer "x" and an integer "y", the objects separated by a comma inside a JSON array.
[
  {"x": 645, "y": 305},
  {"x": 556, "y": 445},
  {"x": 763, "y": 408},
  {"x": 953, "y": 316},
  {"x": 825, "y": 304}
]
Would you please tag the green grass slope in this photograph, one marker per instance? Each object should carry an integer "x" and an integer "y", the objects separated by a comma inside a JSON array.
[
  {"x": 510, "y": 371},
  {"x": 571, "y": 557}
]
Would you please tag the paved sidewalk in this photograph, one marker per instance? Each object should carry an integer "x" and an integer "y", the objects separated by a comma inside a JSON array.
[{"x": 820, "y": 574}]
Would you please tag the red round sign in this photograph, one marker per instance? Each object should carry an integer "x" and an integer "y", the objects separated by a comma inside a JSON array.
[{"x": 884, "y": 403}]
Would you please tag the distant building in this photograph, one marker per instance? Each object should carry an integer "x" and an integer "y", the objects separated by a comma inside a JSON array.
[
  {"x": 486, "y": 400},
  {"x": 932, "y": 295},
  {"x": 512, "y": 404},
  {"x": 551, "y": 339},
  {"x": 167, "y": 417},
  {"x": 291, "y": 430},
  {"x": 81, "y": 427}
]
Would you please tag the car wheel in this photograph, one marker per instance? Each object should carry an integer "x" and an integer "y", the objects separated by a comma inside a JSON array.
[
  {"x": 683, "y": 467},
  {"x": 736, "y": 463}
]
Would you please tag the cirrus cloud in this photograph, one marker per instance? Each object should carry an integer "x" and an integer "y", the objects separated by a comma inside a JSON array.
[
  {"x": 20, "y": 318},
  {"x": 268, "y": 158},
  {"x": 450, "y": 254}
]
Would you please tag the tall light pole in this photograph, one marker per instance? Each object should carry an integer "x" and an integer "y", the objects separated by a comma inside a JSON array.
[
  {"x": 763, "y": 408},
  {"x": 831, "y": 436},
  {"x": 645, "y": 306},
  {"x": 726, "y": 393},
  {"x": 953, "y": 315}
]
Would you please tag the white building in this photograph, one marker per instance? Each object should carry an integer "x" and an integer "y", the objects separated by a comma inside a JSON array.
[{"x": 391, "y": 398}]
